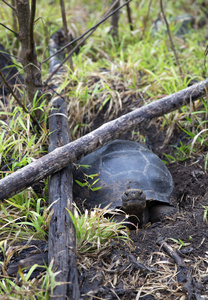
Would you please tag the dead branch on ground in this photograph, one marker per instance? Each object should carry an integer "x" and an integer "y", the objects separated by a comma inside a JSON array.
[{"x": 73, "y": 151}]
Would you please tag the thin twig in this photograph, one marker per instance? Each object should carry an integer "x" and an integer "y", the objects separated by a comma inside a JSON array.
[
  {"x": 129, "y": 17},
  {"x": 14, "y": 16},
  {"x": 91, "y": 29},
  {"x": 146, "y": 19},
  {"x": 16, "y": 34},
  {"x": 170, "y": 38},
  {"x": 205, "y": 56},
  {"x": 16, "y": 98},
  {"x": 12, "y": 7},
  {"x": 63, "y": 13}
]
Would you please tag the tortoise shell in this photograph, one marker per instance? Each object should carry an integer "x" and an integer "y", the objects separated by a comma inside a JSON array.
[{"x": 123, "y": 165}]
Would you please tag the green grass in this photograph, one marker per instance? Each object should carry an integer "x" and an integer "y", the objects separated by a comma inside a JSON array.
[
  {"x": 95, "y": 232},
  {"x": 180, "y": 243},
  {"x": 25, "y": 214},
  {"x": 23, "y": 287},
  {"x": 20, "y": 142}
]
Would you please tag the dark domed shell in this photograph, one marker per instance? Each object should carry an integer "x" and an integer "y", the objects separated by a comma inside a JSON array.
[{"x": 122, "y": 165}]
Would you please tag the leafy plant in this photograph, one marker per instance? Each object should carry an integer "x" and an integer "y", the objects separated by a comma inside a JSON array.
[{"x": 86, "y": 179}]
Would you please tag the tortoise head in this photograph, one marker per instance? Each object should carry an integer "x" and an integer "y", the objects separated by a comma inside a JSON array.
[{"x": 133, "y": 201}]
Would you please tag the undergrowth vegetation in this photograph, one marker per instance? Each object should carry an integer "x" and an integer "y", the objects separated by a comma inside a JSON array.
[
  {"x": 141, "y": 66},
  {"x": 95, "y": 232}
]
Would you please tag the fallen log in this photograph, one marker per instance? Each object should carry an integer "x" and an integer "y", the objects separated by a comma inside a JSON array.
[
  {"x": 61, "y": 239},
  {"x": 73, "y": 151}
]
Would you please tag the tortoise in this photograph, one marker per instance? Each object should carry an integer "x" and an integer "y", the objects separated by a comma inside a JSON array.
[{"x": 131, "y": 178}]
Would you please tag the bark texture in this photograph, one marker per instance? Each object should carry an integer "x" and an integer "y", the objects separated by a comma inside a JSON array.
[
  {"x": 61, "y": 240},
  {"x": 29, "y": 60}
]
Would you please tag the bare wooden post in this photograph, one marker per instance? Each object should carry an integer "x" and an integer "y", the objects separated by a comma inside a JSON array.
[{"x": 61, "y": 240}]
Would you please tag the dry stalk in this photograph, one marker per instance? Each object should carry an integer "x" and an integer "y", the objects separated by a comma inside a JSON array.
[
  {"x": 66, "y": 32},
  {"x": 129, "y": 17},
  {"x": 170, "y": 38},
  {"x": 146, "y": 19}
]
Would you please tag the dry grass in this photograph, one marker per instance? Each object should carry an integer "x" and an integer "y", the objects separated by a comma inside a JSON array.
[{"x": 157, "y": 277}]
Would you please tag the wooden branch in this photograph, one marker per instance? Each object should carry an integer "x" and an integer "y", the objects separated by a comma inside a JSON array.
[
  {"x": 16, "y": 34},
  {"x": 12, "y": 7},
  {"x": 11, "y": 76},
  {"x": 129, "y": 17},
  {"x": 73, "y": 151},
  {"x": 31, "y": 27},
  {"x": 29, "y": 57},
  {"x": 62, "y": 238},
  {"x": 62, "y": 241}
]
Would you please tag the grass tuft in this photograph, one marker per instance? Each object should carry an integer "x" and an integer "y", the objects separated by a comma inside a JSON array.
[{"x": 94, "y": 232}]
